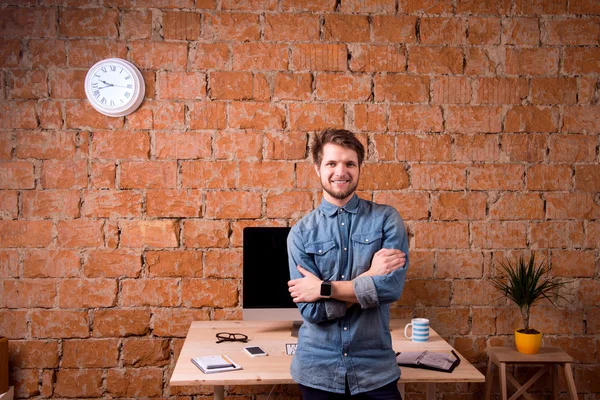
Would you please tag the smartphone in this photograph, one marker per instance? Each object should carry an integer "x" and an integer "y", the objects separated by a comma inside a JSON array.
[{"x": 255, "y": 351}]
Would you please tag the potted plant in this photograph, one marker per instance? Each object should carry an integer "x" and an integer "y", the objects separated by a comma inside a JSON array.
[{"x": 525, "y": 283}]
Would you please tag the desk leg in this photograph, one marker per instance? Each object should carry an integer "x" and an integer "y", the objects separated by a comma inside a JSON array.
[
  {"x": 555, "y": 389},
  {"x": 402, "y": 389},
  {"x": 430, "y": 391},
  {"x": 219, "y": 392},
  {"x": 489, "y": 378},
  {"x": 570, "y": 381}
]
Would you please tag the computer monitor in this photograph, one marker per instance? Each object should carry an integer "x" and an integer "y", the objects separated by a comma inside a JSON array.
[{"x": 266, "y": 275}]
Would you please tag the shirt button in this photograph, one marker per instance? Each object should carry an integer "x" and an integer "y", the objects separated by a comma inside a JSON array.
[
  {"x": 320, "y": 251},
  {"x": 343, "y": 276},
  {"x": 366, "y": 240},
  {"x": 345, "y": 328},
  {"x": 342, "y": 224},
  {"x": 345, "y": 249},
  {"x": 345, "y": 354}
]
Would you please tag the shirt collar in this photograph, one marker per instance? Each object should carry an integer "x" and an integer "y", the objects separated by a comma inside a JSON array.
[{"x": 329, "y": 209}]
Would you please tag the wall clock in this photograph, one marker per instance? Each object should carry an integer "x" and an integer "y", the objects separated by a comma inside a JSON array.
[{"x": 114, "y": 87}]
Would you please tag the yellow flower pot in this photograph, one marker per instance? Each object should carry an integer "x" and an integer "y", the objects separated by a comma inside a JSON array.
[{"x": 528, "y": 343}]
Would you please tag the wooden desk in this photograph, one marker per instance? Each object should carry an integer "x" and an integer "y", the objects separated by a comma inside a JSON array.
[
  {"x": 275, "y": 368},
  {"x": 549, "y": 357}
]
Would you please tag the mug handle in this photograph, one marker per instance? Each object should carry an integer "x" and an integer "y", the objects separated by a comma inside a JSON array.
[{"x": 406, "y": 329}]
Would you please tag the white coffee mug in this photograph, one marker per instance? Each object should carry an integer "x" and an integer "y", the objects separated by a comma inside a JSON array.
[{"x": 420, "y": 330}]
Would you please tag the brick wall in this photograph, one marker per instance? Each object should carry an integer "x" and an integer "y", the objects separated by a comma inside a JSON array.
[{"x": 481, "y": 119}]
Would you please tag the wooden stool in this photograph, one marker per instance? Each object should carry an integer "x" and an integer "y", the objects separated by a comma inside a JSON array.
[{"x": 550, "y": 358}]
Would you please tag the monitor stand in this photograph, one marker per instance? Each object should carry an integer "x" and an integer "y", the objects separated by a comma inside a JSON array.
[{"x": 295, "y": 327}]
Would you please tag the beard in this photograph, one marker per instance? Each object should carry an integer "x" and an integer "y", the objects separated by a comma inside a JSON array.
[{"x": 340, "y": 194}]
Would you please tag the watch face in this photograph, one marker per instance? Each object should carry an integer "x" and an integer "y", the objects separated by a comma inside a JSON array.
[
  {"x": 114, "y": 87},
  {"x": 326, "y": 289}
]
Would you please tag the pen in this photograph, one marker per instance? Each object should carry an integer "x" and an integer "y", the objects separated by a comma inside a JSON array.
[{"x": 220, "y": 366}]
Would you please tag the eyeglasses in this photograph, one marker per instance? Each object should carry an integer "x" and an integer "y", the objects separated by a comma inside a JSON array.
[{"x": 231, "y": 337}]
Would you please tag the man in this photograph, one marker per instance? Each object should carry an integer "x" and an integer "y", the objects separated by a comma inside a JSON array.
[{"x": 346, "y": 265}]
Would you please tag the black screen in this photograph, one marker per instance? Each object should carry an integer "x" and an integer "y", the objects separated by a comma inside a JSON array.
[{"x": 266, "y": 272}]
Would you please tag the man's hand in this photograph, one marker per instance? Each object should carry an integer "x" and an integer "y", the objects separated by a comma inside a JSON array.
[
  {"x": 386, "y": 261},
  {"x": 307, "y": 289}
]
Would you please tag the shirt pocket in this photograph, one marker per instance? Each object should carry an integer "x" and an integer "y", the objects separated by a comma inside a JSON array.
[
  {"x": 325, "y": 257},
  {"x": 364, "y": 246}
]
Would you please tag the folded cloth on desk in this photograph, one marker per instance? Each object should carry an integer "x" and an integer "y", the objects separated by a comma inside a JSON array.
[{"x": 428, "y": 360}]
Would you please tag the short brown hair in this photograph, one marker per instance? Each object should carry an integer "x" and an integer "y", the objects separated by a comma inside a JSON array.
[{"x": 340, "y": 137}]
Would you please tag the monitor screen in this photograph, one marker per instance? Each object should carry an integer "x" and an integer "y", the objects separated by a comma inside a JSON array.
[{"x": 266, "y": 274}]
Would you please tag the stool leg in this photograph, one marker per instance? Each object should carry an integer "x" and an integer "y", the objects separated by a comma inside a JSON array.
[
  {"x": 570, "y": 381},
  {"x": 503, "y": 380},
  {"x": 489, "y": 378}
]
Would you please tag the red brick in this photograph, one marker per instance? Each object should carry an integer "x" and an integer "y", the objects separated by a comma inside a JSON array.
[
  {"x": 112, "y": 264},
  {"x": 18, "y": 114},
  {"x": 289, "y": 204},
  {"x": 501, "y": 90},
  {"x": 484, "y": 30},
  {"x": 145, "y": 352},
  {"x": 372, "y": 58},
  {"x": 586, "y": 90},
  {"x": 571, "y": 148},
  {"x": 31, "y": 22},
  {"x": 459, "y": 264},
  {"x": 173, "y": 203},
  {"x": 443, "y": 30},
  {"x": 52, "y": 203},
  {"x": 136, "y": 24},
  {"x": 448, "y": 319},
  {"x": 394, "y": 29},
  {"x": 80, "y": 233},
  {"x": 472, "y": 292},
  {"x": 9, "y": 207},
  {"x": 230, "y": 85},
  {"x": 79, "y": 114},
  {"x": 94, "y": 353},
  {"x": 78, "y": 383},
  {"x": 473, "y": 119},
  {"x": 167, "y": 115},
  {"x": 583, "y": 7},
  {"x": 210, "y": 115},
  {"x": 525, "y": 147},
  {"x": 134, "y": 382},
  {"x": 426, "y": 293},
  {"x": 174, "y": 264},
  {"x": 250, "y": 115},
  {"x": 401, "y": 88},
  {"x": 31, "y": 84},
  {"x": 176, "y": 322},
  {"x": 571, "y": 31},
  {"x": 51, "y": 264},
  {"x": 411, "y": 206},
  {"x": 518, "y": 206},
  {"x": 438, "y": 176},
  {"x": 532, "y": 61},
  {"x": 47, "y": 145},
  {"x": 292, "y": 27},
  {"x": 149, "y": 174},
  {"x": 592, "y": 237},
  {"x": 345, "y": 28},
  {"x": 581, "y": 119},
  {"x": 209, "y": 292},
  {"x": 181, "y": 85},
  {"x": 481, "y": 147},
  {"x": 14, "y": 324},
  {"x": 436, "y": 60},
  {"x": 573, "y": 263},
  {"x": 94, "y": 22},
  {"x": 267, "y": 174},
  {"x": 549, "y": 177},
  {"x": 587, "y": 178},
  {"x": 25, "y": 233},
  {"x": 209, "y": 55},
  {"x": 521, "y": 31},
  {"x": 319, "y": 57},
  {"x": 355, "y": 87},
  {"x": 182, "y": 145},
  {"x": 545, "y": 321},
  {"x": 181, "y": 25},
  {"x": 483, "y": 60},
  {"x": 10, "y": 52},
  {"x": 50, "y": 114},
  {"x": 537, "y": 7},
  {"x": 33, "y": 354},
  {"x": 498, "y": 235},
  {"x": 223, "y": 264},
  {"x": 316, "y": 116},
  {"x": 588, "y": 293},
  {"x": 238, "y": 27},
  {"x": 205, "y": 233},
  {"x": 423, "y": 147},
  {"x": 27, "y": 293},
  {"x": 59, "y": 324},
  {"x": 441, "y": 235},
  {"x": 451, "y": 90},
  {"x": 6, "y": 145},
  {"x": 292, "y": 86},
  {"x": 234, "y": 205},
  {"x": 82, "y": 293},
  {"x": 68, "y": 84},
  {"x": 209, "y": 174},
  {"x": 17, "y": 175},
  {"x": 458, "y": 206},
  {"x": 260, "y": 56},
  {"x": 64, "y": 174},
  {"x": 285, "y": 145},
  {"x": 496, "y": 177},
  {"x": 170, "y": 56},
  {"x": 111, "y": 204},
  {"x": 422, "y": 118},
  {"x": 116, "y": 322},
  {"x": 370, "y": 117},
  {"x": 554, "y": 91},
  {"x": 483, "y": 7},
  {"x": 149, "y": 292},
  {"x": 151, "y": 233},
  {"x": 85, "y": 53},
  {"x": 556, "y": 234},
  {"x": 238, "y": 145}
]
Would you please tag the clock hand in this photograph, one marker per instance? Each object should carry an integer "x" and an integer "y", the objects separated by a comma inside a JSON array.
[{"x": 106, "y": 83}]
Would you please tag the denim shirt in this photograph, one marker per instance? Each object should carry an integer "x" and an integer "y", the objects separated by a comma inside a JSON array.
[{"x": 336, "y": 343}]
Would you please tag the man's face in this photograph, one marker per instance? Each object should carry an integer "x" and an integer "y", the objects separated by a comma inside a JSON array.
[{"x": 339, "y": 173}]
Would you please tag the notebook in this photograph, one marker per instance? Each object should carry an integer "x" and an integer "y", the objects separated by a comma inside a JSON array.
[
  {"x": 428, "y": 360},
  {"x": 214, "y": 364}
]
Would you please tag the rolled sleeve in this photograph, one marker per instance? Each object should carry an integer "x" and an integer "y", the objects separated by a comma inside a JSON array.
[{"x": 365, "y": 291}]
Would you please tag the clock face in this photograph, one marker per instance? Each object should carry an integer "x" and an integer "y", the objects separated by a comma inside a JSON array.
[{"x": 114, "y": 87}]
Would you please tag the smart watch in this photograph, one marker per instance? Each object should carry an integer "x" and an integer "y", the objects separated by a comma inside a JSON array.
[{"x": 326, "y": 289}]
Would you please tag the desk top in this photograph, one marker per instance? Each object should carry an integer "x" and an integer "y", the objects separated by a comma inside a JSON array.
[{"x": 275, "y": 368}]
